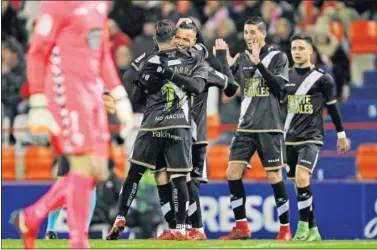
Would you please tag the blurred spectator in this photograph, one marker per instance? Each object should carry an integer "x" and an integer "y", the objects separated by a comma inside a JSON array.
[
  {"x": 340, "y": 12},
  {"x": 226, "y": 30},
  {"x": 241, "y": 13},
  {"x": 12, "y": 24},
  {"x": 129, "y": 17},
  {"x": 272, "y": 11},
  {"x": 215, "y": 12},
  {"x": 144, "y": 42},
  {"x": 123, "y": 59},
  {"x": 335, "y": 58},
  {"x": 171, "y": 11},
  {"x": 284, "y": 32},
  {"x": 13, "y": 74},
  {"x": 117, "y": 37}
]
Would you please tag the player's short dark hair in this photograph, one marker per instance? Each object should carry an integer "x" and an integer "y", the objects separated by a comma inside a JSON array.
[
  {"x": 301, "y": 36},
  {"x": 257, "y": 20},
  {"x": 188, "y": 26},
  {"x": 164, "y": 31}
]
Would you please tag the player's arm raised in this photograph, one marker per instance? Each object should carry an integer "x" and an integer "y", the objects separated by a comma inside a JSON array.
[
  {"x": 50, "y": 21},
  {"x": 123, "y": 108},
  {"x": 221, "y": 53},
  {"x": 327, "y": 86}
]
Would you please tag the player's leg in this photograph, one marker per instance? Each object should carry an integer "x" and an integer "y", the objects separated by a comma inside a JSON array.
[
  {"x": 143, "y": 156},
  {"x": 241, "y": 150},
  {"x": 271, "y": 150},
  {"x": 85, "y": 170},
  {"x": 63, "y": 169},
  {"x": 165, "y": 192},
  {"x": 179, "y": 165},
  {"x": 198, "y": 175},
  {"x": 307, "y": 159}
]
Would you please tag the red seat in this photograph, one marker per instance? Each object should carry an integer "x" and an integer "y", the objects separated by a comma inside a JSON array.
[
  {"x": 8, "y": 163},
  {"x": 38, "y": 162},
  {"x": 363, "y": 37},
  {"x": 366, "y": 161},
  {"x": 218, "y": 157}
]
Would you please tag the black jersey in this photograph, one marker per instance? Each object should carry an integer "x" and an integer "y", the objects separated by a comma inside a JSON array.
[
  {"x": 168, "y": 106},
  {"x": 199, "y": 104},
  {"x": 260, "y": 108},
  {"x": 306, "y": 94}
]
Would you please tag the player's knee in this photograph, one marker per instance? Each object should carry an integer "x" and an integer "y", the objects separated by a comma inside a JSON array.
[
  {"x": 302, "y": 177},
  {"x": 136, "y": 172},
  {"x": 175, "y": 175},
  {"x": 274, "y": 176},
  {"x": 161, "y": 178},
  {"x": 234, "y": 171},
  {"x": 100, "y": 168}
]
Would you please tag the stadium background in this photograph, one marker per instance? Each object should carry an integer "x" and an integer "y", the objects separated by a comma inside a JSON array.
[{"x": 345, "y": 186}]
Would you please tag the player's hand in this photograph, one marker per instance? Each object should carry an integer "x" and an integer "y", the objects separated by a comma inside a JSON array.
[
  {"x": 161, "y": 70},
  {"x": 123, "y": 110},
  {"x": 109, "y": 103},
  {"x": 183, "y": 20},
  {"x": 342, "y": 145},
  {"x": 220, "y": 44},
  {"x": 41, "y": 123},
  {"x": 256, "y": 48},
  {"x": 231, "y": 60}
]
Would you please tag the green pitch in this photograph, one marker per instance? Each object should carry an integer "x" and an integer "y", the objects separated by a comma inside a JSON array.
[{"x": 214, "y": 244}]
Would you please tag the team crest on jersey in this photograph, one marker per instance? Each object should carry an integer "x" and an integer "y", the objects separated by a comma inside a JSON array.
[{"x": 94, "y": 38}]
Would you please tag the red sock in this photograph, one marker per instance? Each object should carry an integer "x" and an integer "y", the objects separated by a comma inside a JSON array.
[
  {"x": 53, "y": 199},
  {"x": 242, "y": 224},
  {"x": 78, "y": 206}
]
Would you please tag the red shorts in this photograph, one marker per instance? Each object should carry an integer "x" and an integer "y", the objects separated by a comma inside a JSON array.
[{"x": 83, "y": 129}]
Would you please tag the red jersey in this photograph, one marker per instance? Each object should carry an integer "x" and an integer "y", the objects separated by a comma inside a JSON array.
[{"x": 71, "y": 46}]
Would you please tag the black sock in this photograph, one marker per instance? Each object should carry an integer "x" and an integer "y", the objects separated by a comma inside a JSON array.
[
  {"x": 304, "y": 199},
  {"x": 129, "y": 188},
  {"x": 282, "y": 202},
  {"x": 167, "y": 203},
  {"x": 194, "y": 211},
  {"x": 237, "y": 198},
  {"x": 181, "y": 192},
  {"x": 312, "y": 222}
]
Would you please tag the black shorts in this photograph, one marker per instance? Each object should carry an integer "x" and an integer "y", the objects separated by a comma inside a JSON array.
[
  {"x": 170, "y": 145},
  {"x": 199, "y": 163},
  {"x": 304, "y": 156},
  {"x": 270, "y": 148},
  {"x": 63, "y": 166}
]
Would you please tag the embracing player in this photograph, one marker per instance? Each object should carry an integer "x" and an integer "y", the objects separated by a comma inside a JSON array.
[
  {"x": 185, "y": 38},
  {"x": 168, "y": 78},
  {"x": 69, "y": 52},
  {"x": 309, "y": 90}
]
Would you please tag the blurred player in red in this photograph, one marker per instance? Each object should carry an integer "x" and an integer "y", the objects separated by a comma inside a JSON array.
[{"x": 68, "y": 55}]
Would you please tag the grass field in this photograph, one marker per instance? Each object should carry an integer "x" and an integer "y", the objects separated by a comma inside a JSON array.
[{"x": 208, "y": 244}]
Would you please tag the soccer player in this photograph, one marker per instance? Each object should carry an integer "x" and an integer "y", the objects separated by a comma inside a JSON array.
[
  {"x": 186, "y": 37},
  {"x": 168, "y": 76},
  {"x": 309, "y": 90},
  {"x": 69, "y": 52},
  {"x": 262, "y": 72}
]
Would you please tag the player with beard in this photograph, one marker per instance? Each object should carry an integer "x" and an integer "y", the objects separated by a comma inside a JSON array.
[
  {"x": 167, "y": 78},
  {"x": 185, "y": 38}
]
